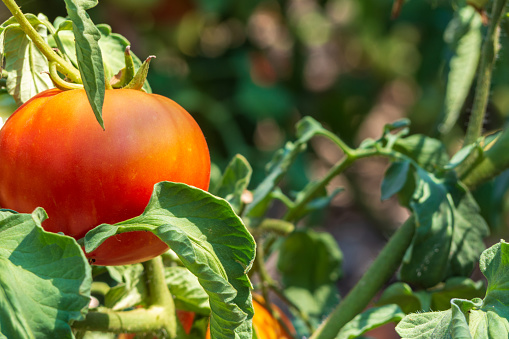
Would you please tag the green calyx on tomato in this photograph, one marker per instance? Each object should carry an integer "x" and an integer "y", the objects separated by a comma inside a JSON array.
[{"x": 53, "y": 154}]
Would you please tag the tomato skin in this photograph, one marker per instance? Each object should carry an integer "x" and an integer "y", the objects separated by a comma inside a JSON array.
[
  {"x": 266, "y": 326},
  {"x": 54, "y": 154},
  {"x": 186, "y": 318}
]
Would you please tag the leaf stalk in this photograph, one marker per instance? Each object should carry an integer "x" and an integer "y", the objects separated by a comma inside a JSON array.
[
  {"x": 158, "y": 316},
  {"x": 63, "y": 66}
]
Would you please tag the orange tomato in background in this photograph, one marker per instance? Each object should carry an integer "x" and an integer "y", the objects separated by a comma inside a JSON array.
[{"x": 264, "y": 324}]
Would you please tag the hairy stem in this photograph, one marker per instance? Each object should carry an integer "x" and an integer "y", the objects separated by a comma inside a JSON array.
[
  {"x": 159, "y": 316},
  {"x": 139, "y": 320},
  {"x": 378, "y": 273},
  {"x": 160, "y": 295},
  {"x": 487, "y": 61},
  {"x": 62, "y": 65}
]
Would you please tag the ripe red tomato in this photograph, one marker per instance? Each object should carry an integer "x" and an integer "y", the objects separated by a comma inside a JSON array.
[
  {"x": 264, "y": 324},
  {"x": 54, "y": 154}
]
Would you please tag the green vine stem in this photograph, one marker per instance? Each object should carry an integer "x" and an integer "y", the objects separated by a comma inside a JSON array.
[
  {"x": 63, "y": 66},
  {"x": 378, "y": 273},
  {"x": 487, "y": 61},
  {"x": 342, "y": 165},
  {"x": 160, "y": 314}
]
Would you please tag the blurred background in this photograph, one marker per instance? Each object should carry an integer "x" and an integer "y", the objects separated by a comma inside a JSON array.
[{"x": 249, "y": 70}]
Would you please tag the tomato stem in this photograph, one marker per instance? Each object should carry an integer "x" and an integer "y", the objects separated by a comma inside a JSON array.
[
  {"x": 63, "y": 66},
  {"x": 138, "y": 320},
  {"x": 487, "y": 61},
  {"x": 160, "y": 296},
  {"x": 160, "y": 314},
  {"x": 58, "y": 81}
]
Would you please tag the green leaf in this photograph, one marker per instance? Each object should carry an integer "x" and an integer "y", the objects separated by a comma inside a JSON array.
[
  {"x": 429, "y": 153},
  {"x": 436, "y": 299},
  {"x": 448, "y": 238},
  {"x": 461, "y": 155},
  {"x": 310, "y": 265},
  {"x": 276, "y": 169},
  {"x": 401, "y": 294},
  {"x": 210, "y": 240},
  {"x": 494, "y": 264},
  {"x": 395, "y": 178},
  {"x": 131, "y": 289},
  {"x": 234, "y": 182},
  {"x": 371, "y": 319},
  {"x": 459, "y": 323},
  {"x": 64, "y": 25},
  {"x": 431, "y": 325},
  {"x": 187, "y": 292},
  {"x": 490, "y": 197},
  {"x": 476, "y": 318},
  {"x": 44, "y": 279},
  {"x": 112, "y": 47},
  {"x": 26, "y": 66},
  {"x": 88, "y": 53},
  {"x": 464, "y": 35},
  {"x": 401, "y": 123},
  {"x": 456, "y": 288}
]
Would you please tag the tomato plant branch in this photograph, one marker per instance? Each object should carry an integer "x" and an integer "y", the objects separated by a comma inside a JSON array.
[
  {"x": 160, "y": 314},
  {"x": 63, "y": 66},
  {"x": 342, "y": 165},
  {"x": 138, "y": 320},
  {"x": 378, "y": 273},
  {"x": 487, "y": 62},
  {"x": 340, "y": 143},
  {"x": 59, "y": 82},
  {"x": 160, "y": 295}
]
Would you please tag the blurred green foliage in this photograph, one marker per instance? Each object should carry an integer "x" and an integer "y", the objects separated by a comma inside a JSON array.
[{"x": 248, "y": 70}]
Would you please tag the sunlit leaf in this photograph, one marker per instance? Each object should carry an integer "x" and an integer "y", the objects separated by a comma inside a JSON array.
[
  {"x": 88, "y": 53},
  {"x": 44, "y": 279},
  {"x": 450, "y": 229},
  {"x": 210, "y": 240},
  {"x": 26, "y": 66},
  {"x": 369, "y": 320}
]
